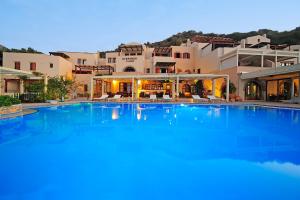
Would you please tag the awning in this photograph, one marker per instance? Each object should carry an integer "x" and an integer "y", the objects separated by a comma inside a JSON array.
[
  {"x": 272, "y": 72},
  {"x": 165, "y": 64},
  {"x": 164, "y": 76},
  {"x": 14, "y": 72}
]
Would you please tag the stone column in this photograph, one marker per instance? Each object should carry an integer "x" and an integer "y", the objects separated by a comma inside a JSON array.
[
  {"x": 92, "y": 89},
  {"x": 21, "y": 86},
  {"x": 213, "y": 87},
  {"x": 292, "y": 88},
  {"x": 227, "y": 89},
  {"x": 173, "y": 89},
  {"x": 132, "y": 89},
  {"x": 45, "y": 83},
  {"x": 102, "y": 87},
  {"x": 177, "y": 87}
]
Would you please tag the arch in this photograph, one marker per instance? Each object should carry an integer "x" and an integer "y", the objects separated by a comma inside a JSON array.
[
  {"x": 253, "y": 90},
  {"x": 129, "y": 69}
]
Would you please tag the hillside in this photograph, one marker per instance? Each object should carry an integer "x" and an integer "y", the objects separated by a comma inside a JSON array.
[
  {"x": 285, "y": 37},
  {"x": 22, "y": 50}
]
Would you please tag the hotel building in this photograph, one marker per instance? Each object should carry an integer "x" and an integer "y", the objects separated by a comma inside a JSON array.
[{"x": 132, "y": 68}]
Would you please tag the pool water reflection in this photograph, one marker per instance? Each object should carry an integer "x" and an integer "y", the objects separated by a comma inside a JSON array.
[{"x": 151, "y": 151}]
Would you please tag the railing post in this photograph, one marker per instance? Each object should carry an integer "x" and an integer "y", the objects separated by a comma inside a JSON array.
[{"x": 92, "y": 89}]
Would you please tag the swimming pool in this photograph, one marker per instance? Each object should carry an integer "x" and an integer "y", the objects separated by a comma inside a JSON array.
[{"x": 151, "y": 151}]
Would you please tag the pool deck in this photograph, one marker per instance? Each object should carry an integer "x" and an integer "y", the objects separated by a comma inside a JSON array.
[
  {"x": 185, "y": 101},
  {"x": 29, "y": 108}
]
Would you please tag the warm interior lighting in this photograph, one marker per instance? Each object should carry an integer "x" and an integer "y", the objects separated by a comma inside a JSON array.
[
  {"x": 115, "y": 114},
  {"x": 139, "y": 82},
  {"x": 114, "y": 82}
]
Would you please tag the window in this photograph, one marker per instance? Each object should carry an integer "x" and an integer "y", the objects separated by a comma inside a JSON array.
[
  {"x": 83, "y": 61},
  {"x": 258, "y": 40},
  {"x": 17, "y": 65},
  {"x": 148, "y": 70},
  {"x": 85, "y": 87},
  {"x": 186, "y": 55},
  {"x": 199, "y": 71},
  {"x": 111, "y": 60},
  {"x": 177, "y": 55},
  {"x": 163, "y": 70},
  {"x": 51, "y": 65},
  {"x": 79, "y": 61},
  {"x": 32, "y": 66}
]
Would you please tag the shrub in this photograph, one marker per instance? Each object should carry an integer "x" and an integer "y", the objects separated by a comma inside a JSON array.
[{"x": 8, "y": 101}]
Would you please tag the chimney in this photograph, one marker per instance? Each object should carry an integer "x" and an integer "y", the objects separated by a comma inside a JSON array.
[
  {"x": 188, "y": 42},
  {"x": 243, "y": 43}
]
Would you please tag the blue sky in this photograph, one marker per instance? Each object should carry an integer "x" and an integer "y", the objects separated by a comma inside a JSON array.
[{"x": 91, "y": 25}]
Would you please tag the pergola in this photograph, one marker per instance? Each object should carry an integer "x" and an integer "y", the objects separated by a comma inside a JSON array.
[
  {"x": 131, "y": 48},
  {"x": 172, "y": 77},
  {"x": 159, "y": 51},
  {"x": 90, "y": 68},
  {"x": 5, "y": 71}
]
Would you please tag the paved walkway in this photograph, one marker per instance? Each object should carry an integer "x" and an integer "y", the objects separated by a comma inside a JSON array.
[
  {"x": 186, "y": 101},
  {"x": 28, "y": 108}
]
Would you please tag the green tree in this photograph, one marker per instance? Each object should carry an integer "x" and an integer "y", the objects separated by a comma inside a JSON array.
[{"x": 58, "y": 87}]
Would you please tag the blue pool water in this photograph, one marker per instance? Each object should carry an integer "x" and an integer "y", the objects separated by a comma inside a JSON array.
[{"x": 154, "y": 151}]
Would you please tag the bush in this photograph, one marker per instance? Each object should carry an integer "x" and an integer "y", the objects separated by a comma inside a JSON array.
[{"x": 8, "y": 101}]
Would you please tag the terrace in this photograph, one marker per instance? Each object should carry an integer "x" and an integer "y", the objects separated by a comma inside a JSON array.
[{"x": 133, "y": 85}]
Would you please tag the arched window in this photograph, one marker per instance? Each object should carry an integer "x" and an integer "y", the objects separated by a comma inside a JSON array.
[{"x": 129, "y": 69}]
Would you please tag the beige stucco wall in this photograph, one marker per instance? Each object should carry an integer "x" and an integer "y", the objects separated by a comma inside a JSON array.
[
  {"x": 255, "y": 39},
  {"x": 181, "y": 63},
  {"x": 91, "y": 58},
  {"x": 61, "y": 67},
  {"x": 210, "y": 61}
]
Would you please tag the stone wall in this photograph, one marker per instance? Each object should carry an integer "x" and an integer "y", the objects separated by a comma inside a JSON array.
[{"x": 11, "y": 109}]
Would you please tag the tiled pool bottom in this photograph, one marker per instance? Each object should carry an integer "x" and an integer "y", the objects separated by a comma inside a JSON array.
[{"x": 151, "y": 151}]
